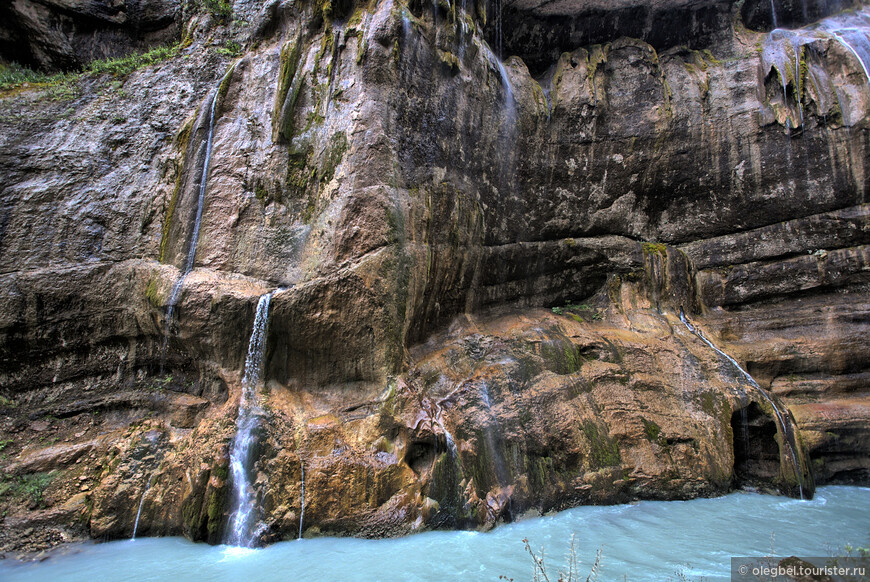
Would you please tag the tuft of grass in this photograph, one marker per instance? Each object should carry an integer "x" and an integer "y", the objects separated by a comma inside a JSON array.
[
  {"x": 579, "y": 311},
  {"x": 219, "y": 8},
  {"x": 230, "y": 49},
  {"x": 13, "y": 75},
  {"x": 123, "y": 66},
  {"x": 61, "y": 86}
]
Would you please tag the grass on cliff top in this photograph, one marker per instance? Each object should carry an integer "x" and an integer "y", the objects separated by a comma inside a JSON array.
[{"x": 13, "y": 75}]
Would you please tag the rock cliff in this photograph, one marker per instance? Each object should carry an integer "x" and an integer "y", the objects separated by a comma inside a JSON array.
[{"x": 507, "y": 285}]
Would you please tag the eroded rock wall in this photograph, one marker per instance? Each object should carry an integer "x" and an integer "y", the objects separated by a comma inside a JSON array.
[{"x": 483, "y": 266}]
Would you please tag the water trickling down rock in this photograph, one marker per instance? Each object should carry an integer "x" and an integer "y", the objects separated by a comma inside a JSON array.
[{"x": 243, "y": 529}]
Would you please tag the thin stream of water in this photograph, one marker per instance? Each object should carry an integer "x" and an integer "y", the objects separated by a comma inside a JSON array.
[
  {"x": 785, "y": 428},
  {"x": 301, "y": 498},
  {"x": 141, "y": 503},
  {"x": 194, "y": 239}
]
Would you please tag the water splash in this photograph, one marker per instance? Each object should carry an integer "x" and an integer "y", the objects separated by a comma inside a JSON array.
[
  {"x": 301, "y": 498},
  {"x": 242, "y": 529},
  {"x": 788, "y": 441},
  {"x": 141, "y": 503}
]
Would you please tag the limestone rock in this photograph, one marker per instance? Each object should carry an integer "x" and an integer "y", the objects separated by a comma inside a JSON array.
[{"x": 483, "y": 266}]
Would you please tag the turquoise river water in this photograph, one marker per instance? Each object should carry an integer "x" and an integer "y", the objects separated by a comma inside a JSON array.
[{"x": 650, "y": 540}]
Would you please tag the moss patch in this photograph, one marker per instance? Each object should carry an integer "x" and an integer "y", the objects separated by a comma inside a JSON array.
[
  {"x": 285, "y": 100},
  {"x": 332, "y": 156},
  {"x": 604, "y": 449},
  {"x": 650, "y": 248},
  {"x": 652, "y": 430},
  {"x": 182, "y": 141},
  {"x": 152, "y": 294}
]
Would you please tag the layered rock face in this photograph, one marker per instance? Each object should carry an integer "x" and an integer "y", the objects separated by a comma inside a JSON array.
[
  {"x": 66, "y": 34},
  {"x": 507, "y": 287}
]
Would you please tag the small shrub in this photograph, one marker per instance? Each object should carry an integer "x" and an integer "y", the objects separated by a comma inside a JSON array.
[
  {"x": 33, "y": 486},
  {"x": 542, "y": 573},
  {"x": 580, "y": 312}
]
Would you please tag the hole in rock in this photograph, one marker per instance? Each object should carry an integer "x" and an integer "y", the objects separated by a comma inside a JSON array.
[
  {"x": 756, "y": 451},
  {"x": 420, "y": 456}
]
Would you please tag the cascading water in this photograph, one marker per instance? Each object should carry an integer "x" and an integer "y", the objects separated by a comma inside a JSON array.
[
  {"x": 510, "y": 101},
  {"x": 785, "y": 427},
  {"x": 785, "y": 51},
  {"x": 191, "y": 253},
  {"x": 501, "y": 472},
  {"x": 242, "y": 530},
  {"x": 855, "y": 39},
  {"x": 451, "y": 445},
  {"x": 141, "y": 503}
]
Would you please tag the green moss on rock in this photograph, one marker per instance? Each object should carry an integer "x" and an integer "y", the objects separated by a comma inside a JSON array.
[
  {"x": 285, "y": 99},
  {"x": 652, "y": 430},
  {"x": 604, "y": 449}
]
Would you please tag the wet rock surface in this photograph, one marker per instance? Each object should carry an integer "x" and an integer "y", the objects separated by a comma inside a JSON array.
[{"x": 484, "y": 262}]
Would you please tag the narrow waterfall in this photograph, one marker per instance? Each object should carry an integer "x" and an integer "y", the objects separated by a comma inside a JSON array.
[
  {"x": 191, "y": 253},
  {"x": 773, "y": 14},
  {"x": 451, "y": 444},
  {"x": 242, "y": 529},
  {"x": 492, "y": 440},
  {"x": 301, "y": 498},
  {"x": 446, "y": 473},
  {"x": 510, "y": 103},
  {"x": 463, "y": 29},
  {"x": 141, "y": 503},
  {"x": 788, "y": 440}
]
